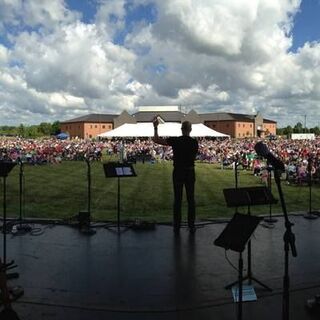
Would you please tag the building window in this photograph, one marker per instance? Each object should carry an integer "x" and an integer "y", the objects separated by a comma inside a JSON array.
[
  {"x": 109, "y": 126},
  {"x": 239, "y": 134},
  {"x": 103, "y": 126},
  {"x": 238, "y": 125},
  {"x": 90, "y": 126},
  {"x": 90, "y": 136},
  {"x": 248, "y": 133},
  {"x": 243, "y": 125},
  {"x": 96, "y": 126},
  {"x": 243, "y": 134},
  {"x": 251, "y": 125},
  {"x": 78, "y": 127},
  {"x": 227, "y": 125}
]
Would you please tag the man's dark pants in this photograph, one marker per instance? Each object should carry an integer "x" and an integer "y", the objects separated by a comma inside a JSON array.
[{"x": 183, "y": 177}]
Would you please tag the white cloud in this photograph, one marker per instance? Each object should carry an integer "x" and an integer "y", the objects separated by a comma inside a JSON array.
[
  {"x": 47, "y": 13},
  {"x": 75, "y": 59},
  {"x": 110, "y": 17},
  {"x": 4, "y": 55},
  {"x": 9, "y": 12},
  {"x": 224, "y": 55}
]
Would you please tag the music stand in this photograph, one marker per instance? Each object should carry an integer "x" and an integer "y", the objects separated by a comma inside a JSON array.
[
  {"x": 5, "y": 168},
  {"x": 118, "y": 170},
  {"x": 248, "y": 196},
  {"x": 234, "y": 237}
]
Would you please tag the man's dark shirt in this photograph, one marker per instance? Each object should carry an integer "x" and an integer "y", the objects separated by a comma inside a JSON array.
[{"x": 185, "y": 150}]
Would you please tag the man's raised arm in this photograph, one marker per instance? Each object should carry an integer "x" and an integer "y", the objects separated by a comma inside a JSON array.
[{"x": 156, "y": 138}]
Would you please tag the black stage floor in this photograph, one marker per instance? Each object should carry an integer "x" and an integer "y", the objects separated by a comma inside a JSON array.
[{"x": 155, "y": 275}]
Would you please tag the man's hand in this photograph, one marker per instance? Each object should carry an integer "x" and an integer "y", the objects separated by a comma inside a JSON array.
[{"x": 155, "y": 122}]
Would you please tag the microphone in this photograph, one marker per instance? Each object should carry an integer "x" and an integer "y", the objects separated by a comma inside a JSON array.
[{"x": 263, "y": 151}]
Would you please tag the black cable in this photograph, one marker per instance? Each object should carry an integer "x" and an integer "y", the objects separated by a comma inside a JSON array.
[
  {"x": 229, "y": 261},
  {"x": 203, "y": 306}
]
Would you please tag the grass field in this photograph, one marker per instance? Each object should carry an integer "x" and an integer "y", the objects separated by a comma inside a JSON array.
[{"x": 60, "y": 191}]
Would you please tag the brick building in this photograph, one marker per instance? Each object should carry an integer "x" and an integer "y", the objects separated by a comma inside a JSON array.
[
  {"x": 234, "y": 124},
  {"x": 240, "y": 125},
  {"x": 91, "y": 125}
]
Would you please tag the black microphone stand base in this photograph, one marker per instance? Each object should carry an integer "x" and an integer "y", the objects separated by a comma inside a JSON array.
[
  {"x": 270, "y": 220},
  {"x": 311, "y": 215},
  {"x": 117, "y": 228},
  {"x": 87, "y": 231}
]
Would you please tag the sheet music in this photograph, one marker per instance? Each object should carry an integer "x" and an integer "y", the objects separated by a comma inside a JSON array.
[
  {"x": 127, "y": 171},
  {"x": 123, "y": 171},
  {"x": 119, "y": 171},
  {"x": 248, "y": 293}
]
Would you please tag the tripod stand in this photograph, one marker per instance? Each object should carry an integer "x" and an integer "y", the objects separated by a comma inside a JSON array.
[
  {"x": 247, "y": 197},
  {"x": 311, "y": 215}
]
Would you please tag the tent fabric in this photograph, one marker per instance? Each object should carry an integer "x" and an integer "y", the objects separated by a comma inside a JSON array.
[
  {"x": 168, "y": 129},
  {"x": 62, "y": 136}
]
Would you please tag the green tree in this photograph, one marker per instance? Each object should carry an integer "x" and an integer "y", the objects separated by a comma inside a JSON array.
[
  {"x": 315, "y": 130},
  {"x": 45, "y": 128},
  {"x": 33, "y": 132},
  {"x": 298, "y": 128},
  {"x": 22, "y": 130},
  {"x": 288, "y": 130},
  {"x": 55, "y": 128}
]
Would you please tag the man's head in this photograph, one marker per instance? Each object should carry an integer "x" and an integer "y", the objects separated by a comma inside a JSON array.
[{"x": 186, "y": 128}]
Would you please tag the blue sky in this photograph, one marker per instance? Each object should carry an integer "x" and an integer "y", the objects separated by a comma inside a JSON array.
[
  {"x": 60, "y": 59},
  {"x": 306, "y": 23}
]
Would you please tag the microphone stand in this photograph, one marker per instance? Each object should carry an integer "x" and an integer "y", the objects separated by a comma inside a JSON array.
[
  {"x": 289, "y": 242},
  {"x": 311, "y": 215},
  {"x": 21, "y": 187},
  {"x": 21, "y": 226},
  {"x": 84, "y": 220},
  {"x": 236, "y": 164},
  {"x": 270, "y": 220},
  {"x": 89, "y": 184}
]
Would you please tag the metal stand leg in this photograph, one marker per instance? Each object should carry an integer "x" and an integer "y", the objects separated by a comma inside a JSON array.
[{"x": 249, "y": 275}]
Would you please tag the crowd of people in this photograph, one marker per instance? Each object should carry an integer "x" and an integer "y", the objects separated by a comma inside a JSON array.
[{"x": 299, "y": 156}]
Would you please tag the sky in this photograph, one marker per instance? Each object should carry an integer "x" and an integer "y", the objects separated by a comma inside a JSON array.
[{"x": 60, "y": 59}]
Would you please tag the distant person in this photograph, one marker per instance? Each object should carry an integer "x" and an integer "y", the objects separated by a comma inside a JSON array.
[{"x": 185, "y": 150}]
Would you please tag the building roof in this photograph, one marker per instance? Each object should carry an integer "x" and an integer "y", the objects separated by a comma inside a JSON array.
[
  {"x": 269, "y": 121},
  {"x": 93, "y": 117},
  {"x": 167, "y": 116},
  {"x": 228, "y": 116}
]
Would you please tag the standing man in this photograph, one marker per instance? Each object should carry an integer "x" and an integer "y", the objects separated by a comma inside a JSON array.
[{"x": 185, "y": 150}]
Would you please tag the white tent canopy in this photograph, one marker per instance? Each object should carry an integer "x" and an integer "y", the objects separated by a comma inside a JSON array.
[{"x": 168, "y": 129}]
